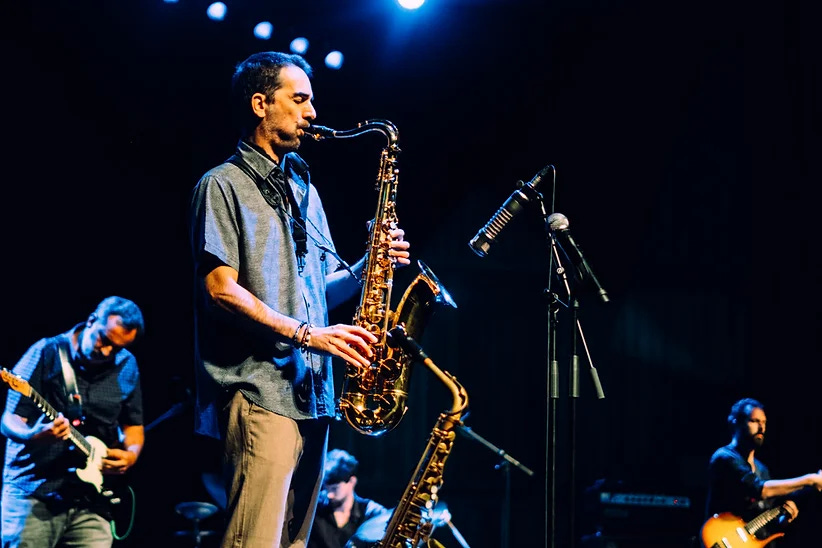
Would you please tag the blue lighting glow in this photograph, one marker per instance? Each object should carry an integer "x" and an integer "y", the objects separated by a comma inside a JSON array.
[
  {"x": 263, "y": 30},
  {"x": 334, "y": 60},
  {"x": 170, "y": 1},
  {"x": 299, "y": 45},
  {"x": 410, "y": 4},
  {"x": 216, "y": 11}
]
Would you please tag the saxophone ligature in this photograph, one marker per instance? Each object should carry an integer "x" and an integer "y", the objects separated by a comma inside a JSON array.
[{"x": 373, "y": 399}]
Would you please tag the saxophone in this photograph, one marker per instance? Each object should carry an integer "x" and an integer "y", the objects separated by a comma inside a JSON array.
[
  {"x": 411, "y": 525},
  {"x": 373, "y": 399}
]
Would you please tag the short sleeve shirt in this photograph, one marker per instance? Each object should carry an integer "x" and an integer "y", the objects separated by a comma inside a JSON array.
[
  {"x": 110, "y": 396},
  {"x": 232, "y": 224}
]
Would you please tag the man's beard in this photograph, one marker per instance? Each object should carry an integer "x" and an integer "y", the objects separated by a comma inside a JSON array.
[
  {"x": 758, "y": 440},
  {"x": 333, "y": 503}
]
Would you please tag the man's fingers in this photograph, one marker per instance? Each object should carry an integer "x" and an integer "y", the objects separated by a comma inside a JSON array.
[
  {"x": 349, "y": 342},
  {"x": 353, "y": 357}
]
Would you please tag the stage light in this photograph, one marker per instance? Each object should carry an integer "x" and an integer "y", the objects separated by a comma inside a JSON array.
[
  {"x": 263, "y": 30},
  {"x": 170, "y": 1},
  {"x": 299, "y": 45},
  {"x": 410, "y": 4},
  {"x": 216, "y": 11},
  {"x": 334, "y": 60}
]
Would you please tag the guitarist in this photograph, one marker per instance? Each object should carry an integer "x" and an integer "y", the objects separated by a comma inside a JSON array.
[
  {"x": 741, "y": 484},
  {"x": 45, "y": 502}
]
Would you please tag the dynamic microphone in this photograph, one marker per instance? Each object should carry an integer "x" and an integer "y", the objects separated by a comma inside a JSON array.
[
  {"x": 481, "y": 243},
  {"x": 398, "y": 338},
  {"x": 558, "y": 225}
]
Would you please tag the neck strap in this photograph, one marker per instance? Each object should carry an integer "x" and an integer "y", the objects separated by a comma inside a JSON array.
[{"x": 275, "y": 190}]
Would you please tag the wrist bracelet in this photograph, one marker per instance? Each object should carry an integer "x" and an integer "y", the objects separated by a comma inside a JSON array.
[
  {"x": 306, "y": 338},
  {"x": 295, "y": 338}
]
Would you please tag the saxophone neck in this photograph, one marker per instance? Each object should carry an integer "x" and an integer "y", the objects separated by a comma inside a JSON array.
[{"x": 387, "y": 128}]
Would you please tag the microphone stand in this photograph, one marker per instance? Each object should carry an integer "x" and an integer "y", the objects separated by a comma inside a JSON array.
[
  {"x": 573, "y": 386},
  {"x": 552, "y": 388},
  {"x": 505, "y": 466}
]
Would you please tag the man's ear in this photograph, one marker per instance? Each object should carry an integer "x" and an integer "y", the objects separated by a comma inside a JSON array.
[
  {"x": 258, "y": 101},
  {"x": 91, "y": 319},
  {"x": 353, "y": 481}
]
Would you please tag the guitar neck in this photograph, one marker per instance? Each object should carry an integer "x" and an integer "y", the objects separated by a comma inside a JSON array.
[
  {"x": 760, "y": 521},
  {"x": 51, "y": 413}
]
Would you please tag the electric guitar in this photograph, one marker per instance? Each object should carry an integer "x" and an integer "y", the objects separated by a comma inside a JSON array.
[
  {"x": 729, "y": 531},
  {"x": 93, "y": 448}
]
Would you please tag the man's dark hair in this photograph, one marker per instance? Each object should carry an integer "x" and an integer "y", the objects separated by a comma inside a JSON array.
[
  {"x": 339, "y": 466},
  {"x": 259, "y": 73},
  {"x": 130, "y": 315},
  {"x": 741, "y": 410}
]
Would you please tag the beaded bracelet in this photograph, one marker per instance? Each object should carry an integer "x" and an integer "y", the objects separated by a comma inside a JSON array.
[
  {"x": 306, "y": 338},
  {"x": 294, "y": 339}
]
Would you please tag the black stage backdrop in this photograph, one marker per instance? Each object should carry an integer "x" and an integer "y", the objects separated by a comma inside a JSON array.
[{"x": 685, "y": 139}]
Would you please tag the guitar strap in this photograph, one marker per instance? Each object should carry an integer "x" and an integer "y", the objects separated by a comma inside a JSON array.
[{"x": 75, "y": 400}]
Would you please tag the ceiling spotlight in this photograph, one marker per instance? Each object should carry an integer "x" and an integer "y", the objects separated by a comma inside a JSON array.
[
  {"x": 216, "y": 11},
  {"x": 263, "y": 30},
  {"x": 410, "y": 4},
  {"x": 334, "y": 60},
  {"x": 299, "y": 45}
]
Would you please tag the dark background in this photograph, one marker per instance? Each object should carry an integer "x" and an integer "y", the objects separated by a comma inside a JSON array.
[{"x": 685, "y": 138}]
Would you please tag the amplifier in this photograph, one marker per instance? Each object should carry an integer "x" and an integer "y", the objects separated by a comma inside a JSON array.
[
  {"x": 638, "y": 516},
  {"x": 643, "y": 500}
]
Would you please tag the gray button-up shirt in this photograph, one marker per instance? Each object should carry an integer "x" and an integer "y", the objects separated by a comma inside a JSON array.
[{"x": 232, "y": 224}]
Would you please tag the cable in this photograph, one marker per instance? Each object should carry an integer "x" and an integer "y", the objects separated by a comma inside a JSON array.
[{"x": 131, "y": 518}]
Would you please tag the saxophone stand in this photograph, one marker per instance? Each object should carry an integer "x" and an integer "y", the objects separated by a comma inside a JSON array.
[
  {"x": 505, "y": 466},
  {"x": 573, "y": 387}
]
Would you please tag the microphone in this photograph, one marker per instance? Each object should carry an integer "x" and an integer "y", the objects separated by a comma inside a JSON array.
[
  {"x": 398, "y": 338},
  {"x": 558, "y": 225},
  {"x": 481, "y": 243}
]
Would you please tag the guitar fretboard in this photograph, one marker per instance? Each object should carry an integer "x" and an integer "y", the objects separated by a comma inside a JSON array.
[
  {"x": 24, "y": 388},
  {"x": 762, "y": 520}
]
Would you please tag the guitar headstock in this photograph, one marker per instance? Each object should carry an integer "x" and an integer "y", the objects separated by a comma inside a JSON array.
[{"x": 15, "y": 383}]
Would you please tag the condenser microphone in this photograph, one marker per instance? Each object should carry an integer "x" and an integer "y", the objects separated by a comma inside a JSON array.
[
  {"x": 558, "y": 225},
  {"x": 515, "y": 203}
]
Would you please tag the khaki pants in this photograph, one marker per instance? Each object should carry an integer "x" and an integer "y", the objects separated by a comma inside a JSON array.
[{"x": 273, "y": 472}]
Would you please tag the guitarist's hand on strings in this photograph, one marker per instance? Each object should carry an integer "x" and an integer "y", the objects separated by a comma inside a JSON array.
[
  {"x": 790, "y": 510},
  {"x": 118, "y": 461},
  {"x": 58, "y": 429}
]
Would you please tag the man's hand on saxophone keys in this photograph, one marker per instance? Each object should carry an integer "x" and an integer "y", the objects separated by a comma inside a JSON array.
[
  {"x": 398, "y": 248},
  {"x": 349, "y": 342}
]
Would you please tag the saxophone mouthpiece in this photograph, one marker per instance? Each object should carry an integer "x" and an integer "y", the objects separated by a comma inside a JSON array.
[{"x": 318, "y": 133}]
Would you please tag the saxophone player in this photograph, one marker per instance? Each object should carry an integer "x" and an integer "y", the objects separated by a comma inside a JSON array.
[{"x": 266, "y": 275}]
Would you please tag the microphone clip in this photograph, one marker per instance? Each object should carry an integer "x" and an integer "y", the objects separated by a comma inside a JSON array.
[{"x": 530, "y": 192}]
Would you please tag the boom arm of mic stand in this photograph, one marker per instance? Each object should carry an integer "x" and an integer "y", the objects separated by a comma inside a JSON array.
[
  {"x": 592, "y": 369},
  {"x": 470, "y": 433},
  {"x": 457, "y": 534}
]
